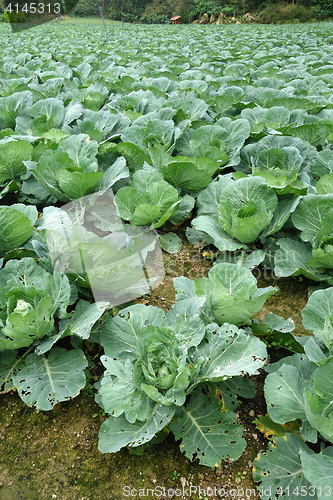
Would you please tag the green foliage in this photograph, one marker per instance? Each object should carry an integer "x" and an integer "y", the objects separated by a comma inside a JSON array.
[
  {"x": 154, "y": 361},
  {"x": 155, "y": 19},
  {"x": 323, "y": 8},
  {"x": 150, "y": 200},
  {"x": 233, "y": 128},
  {"x": 299, "y": 389},
  {"x": 231, "y": 293},
  {"x": 286, "y": 13},
  {"x": 86, "y": 8},
  {"x": 160, "y": 11},
  {"x": 204, "y": 6}
]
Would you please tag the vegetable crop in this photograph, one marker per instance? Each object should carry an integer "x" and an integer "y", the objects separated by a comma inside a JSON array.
[{"x": 226, "y": 134}]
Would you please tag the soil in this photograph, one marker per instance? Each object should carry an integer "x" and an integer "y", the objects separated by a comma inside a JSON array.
[{"x": 54, "y": 455}]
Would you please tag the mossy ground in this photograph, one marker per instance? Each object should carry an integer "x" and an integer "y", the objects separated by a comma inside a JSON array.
[{"x": 54, "y": 455}]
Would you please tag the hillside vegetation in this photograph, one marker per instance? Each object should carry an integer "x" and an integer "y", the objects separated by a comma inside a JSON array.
[{"x": 241, "y": 11}]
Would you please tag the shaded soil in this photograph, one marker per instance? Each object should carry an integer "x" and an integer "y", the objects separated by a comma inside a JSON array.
[
  {"x": 54, "y": 455},
  {"x": 288, "y": 302}
]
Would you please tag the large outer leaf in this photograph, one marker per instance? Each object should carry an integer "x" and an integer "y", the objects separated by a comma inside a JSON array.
[
  {"x": 314, "y": 351},
  {"x": 206, "y": 432},
  {"x": 12, "y": 155},
  {"x": 239, "y": 131},
  {"x": 209, "y": 199},
  {"x": 49, "y": 107},
  {"x": 318, "y": 469},
  {"x": 185, "y": 288},
  {"x": 194, "y": 108},
  {"x": 227, "y": 352},
  {"x": 15, "y": 229},
  {"x": 185, "y": 322},
  {"x": 125, "y": 201},
  {"x": 325, "y": 184},
  {"x": 170, "y": 242},
  {"x": 318, "y": 406},
  {"x": 314, "y": 133},
  {"x": 228, "y": 391},
  {"x": 16, "y": 102},
  {"x": 323, "y": 424},
  {"x": 46, "y": 171},
  {"x": 114, "y": 173},
  {"x": 280, "y": 469},
  {"x": 163, "y": 195},
  {"x": 281, "y": 214},
  {"x": 80, "y": 324},
  {"x": 183, "y": 210},
  {"x": 247, "y": 260},
  {"x": 292, "y": 259},
  {"x": 110, "y": 125},
  {"x": 285, "y": 393},
  {"x": 25, "y": 271},
  {"x": 59, "y": 289},
  {"x": 120, "y": 393},
  {"x": 310, "y": 213},
  {"x": 145, "y": 214},
  {"x": 317, "y": 310},
  {"x": 186, "y": 175},
  {"x": 210, "y": 225},
  {"x": 236, "y": 280},
  {"x": 323, "y": 386},
  {"x": 44, "y": 382},
  {"x": 196, "y": 237},
  {"x": 324, "y": 163},
  {"x": 276, "y": 331},
  {"x": 9, "y": 365},
  {"x": 30, "y": 211},
  {"x": 117, "y": 432},
  {"x": 276, "y": 117},
  {"x": 119, "y": 335},
  {"x": 85, "y": 316},
  {"x": 81, "y": 151},
  {"x": 78, "y": 184}
]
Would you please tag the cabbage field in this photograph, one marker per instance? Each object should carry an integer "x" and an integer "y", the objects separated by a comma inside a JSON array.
[{"x": 113, "y": 156}]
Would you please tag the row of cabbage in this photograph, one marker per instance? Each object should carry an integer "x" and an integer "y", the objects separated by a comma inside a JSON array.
[{"x": 230, "y": 131}]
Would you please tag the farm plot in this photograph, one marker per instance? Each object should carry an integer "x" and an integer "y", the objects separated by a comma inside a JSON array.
[{"x": 222, "y": 137}]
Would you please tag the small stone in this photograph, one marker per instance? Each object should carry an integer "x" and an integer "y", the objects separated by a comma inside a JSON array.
[
  {"x": 183, "y": 482},
  {"x": 219, "y": 471}
]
